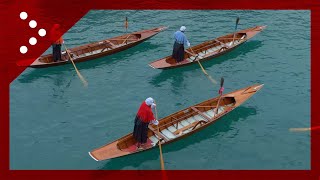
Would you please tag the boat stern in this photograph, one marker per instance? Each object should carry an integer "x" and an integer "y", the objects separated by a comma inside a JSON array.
[
  {"x": 161, "y": 64},
  {"x": 107, "y": 152}
]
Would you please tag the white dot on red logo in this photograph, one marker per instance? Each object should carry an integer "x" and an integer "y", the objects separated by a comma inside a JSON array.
[
  {"x": 23, "y": 49},
  {"x": 33, "y": 24},
  {"x": 33, "y": 41},
  {"x": 42, "y": 32},
  {"x": 23, "y": 15}
]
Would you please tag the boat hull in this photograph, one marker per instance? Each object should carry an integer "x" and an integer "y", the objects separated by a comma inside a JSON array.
[
  {"x": 126, "y": 145},
  {"x": 208, "y": 49},
  {"x": 107, "y": 47}
]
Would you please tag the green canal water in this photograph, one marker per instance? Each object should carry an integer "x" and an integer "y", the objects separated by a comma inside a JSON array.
[{"x": 55, "y": 121}]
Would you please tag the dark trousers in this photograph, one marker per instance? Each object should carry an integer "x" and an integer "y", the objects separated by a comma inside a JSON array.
[
  {"x": 178, "y": 52},
  {"x": 140, "y": 131},
  {"x": 56, "y": 52}
]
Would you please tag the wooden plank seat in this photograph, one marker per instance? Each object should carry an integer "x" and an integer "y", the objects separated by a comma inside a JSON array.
[
  {"x": 202, "y": 54},
  {"x": 184, "y": 123},
  {"x": 109, "y": 45},
  {"x": 155, "y": 132},
  {"x": 187, "y": 124},
  {"x": 168, "y": 134},
  {"x": 192, "y": 58},
  {"x": 172, "y": 129},
  {"x": 191, "y": 120},
  {"x": 154, "y": 140},
  {"x": 200, "y": 113},
  {"x": 192, "y": 125},
  {"x": 210, "y": 113}
]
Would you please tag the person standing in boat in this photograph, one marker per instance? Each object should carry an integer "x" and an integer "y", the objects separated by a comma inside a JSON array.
[
  {"x": 57, "y": 40},
  {"x": 143, "y": 118},
  {"x": 178, "y": 47}
]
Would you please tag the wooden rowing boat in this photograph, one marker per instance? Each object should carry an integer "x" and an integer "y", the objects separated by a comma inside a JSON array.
[
  {"x": 178, "y": 125},
  {"x": 96, "y": 49},
  {"x": 209, "y": 49}
]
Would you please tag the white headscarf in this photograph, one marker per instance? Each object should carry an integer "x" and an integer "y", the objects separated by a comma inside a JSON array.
[
  {"x": 183, "y": 28},
  {"x": 149, "y": 101}
]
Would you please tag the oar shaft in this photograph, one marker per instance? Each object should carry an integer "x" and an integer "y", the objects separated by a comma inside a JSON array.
[
  {"x": 126, "y": 24},
  {"x": 84, "y": 81},
  {"x": 220, "y": 92},
  {"x": 125, "y": 40},
  {"x": 300, "y": 129},
  {"x": 204, "y": 71},
  {"x": 305, "y": 129},
  {"x": 235, "y": 29},
  {"x": 160, "y": 148},
  {"x": 217, "y": 108}
]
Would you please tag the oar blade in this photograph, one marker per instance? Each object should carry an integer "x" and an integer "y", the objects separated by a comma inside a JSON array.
[
  {"x": 299, "y": 129},
  {"x": 235, "y": 29},
  {"x": 237, "y": 21},
  {"x": 126, "y": 23},
  {"x": 221, "y": 82},
  {"x": 212, "y": 80},
  {"x": 84, "y": 81}
]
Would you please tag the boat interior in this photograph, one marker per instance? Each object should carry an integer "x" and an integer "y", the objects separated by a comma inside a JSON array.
[
  {"x": 182, "y": 122},
  {"x": 211, "y": 47},
  {"x": 94, "y": 48}
]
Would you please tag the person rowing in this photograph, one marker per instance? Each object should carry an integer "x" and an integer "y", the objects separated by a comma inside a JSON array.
[
  {"x": 143, "y": 118},
  {"x": 57, "y": 40},
  {"x": 178, "y": 47}
]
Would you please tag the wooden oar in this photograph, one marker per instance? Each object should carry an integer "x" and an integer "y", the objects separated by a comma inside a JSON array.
[
  {"x": 221, "y": 86},
  {"x": 299, "y": 129},
  {"x": 84, "y": 81},
  {"x": 125, "y": 40},
  {"x": 203, "y": 70},
  {"x": 303, "y": 129},
  {"x": 126, "y": 24},
  {"x": 237, "y": 22},
  {"x": 160, "y": 148}
]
